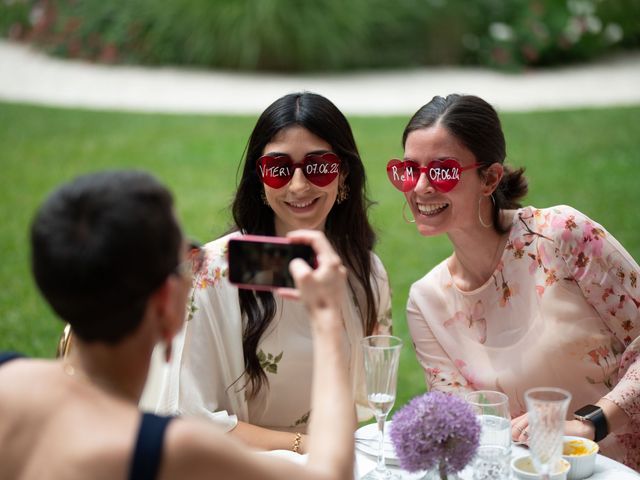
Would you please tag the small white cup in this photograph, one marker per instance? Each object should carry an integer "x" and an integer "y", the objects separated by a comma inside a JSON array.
[
  {"x": 581, "y": 454},
  {"x": 523, "y": 469}
]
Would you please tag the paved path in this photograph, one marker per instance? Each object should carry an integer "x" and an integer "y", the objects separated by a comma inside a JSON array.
[{"x": 29, "y": 76}]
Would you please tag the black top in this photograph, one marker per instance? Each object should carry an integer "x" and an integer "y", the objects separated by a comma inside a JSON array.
[
  {"x": 148, "y": 451},
  {"x": 6, "y": 356}
]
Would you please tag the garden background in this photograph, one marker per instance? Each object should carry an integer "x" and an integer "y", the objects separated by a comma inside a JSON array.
[{"x": 587, "y": 158}]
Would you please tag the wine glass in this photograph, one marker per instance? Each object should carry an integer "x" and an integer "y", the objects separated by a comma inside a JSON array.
[
  {"x": 546, "y": 412},
  {"x": 494, "y": 450},
  {"x": 381, "y": 358}
]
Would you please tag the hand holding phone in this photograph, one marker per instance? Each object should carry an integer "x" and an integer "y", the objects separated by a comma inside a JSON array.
[
  {"x": 321, "y": 289},
  {"x": 262, "y": 263}
]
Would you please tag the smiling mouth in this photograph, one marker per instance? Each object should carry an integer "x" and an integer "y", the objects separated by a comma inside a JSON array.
[
  {"x": 432, "y": 209},
  {"x": 301, "y": 205}
]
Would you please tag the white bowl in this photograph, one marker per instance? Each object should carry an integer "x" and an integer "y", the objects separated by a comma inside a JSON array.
[
  {"x": 581, "y": 454},
  {"x": 523, "y": 469}
]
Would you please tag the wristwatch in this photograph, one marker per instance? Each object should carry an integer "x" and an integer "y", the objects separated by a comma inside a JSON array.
[{"x": 595, "y": 415}]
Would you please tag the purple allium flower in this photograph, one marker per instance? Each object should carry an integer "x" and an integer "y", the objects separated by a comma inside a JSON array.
[{"x": 435, "y": 430}]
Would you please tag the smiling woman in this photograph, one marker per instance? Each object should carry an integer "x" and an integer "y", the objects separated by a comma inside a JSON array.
[
  {"x": 529, "y": 297},
  {"x": 303, "y": 202},
  {"x": 244, "y": 358}
]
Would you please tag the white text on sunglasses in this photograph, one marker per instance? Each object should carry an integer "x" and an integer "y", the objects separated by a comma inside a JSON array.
[
  {"x": 277, "y": 171},
  {"x": 309, "y": 169},
  {"x": 435, "y": 174}
]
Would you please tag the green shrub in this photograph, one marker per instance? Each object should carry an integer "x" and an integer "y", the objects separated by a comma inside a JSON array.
[
  {"x": 320, "y": 35},
  {"x": 549, "y": 32},
  {"x": 14, "y": 18}
]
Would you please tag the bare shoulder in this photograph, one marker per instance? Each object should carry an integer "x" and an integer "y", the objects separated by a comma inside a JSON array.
[
  {"x": 52, "y": 424},
  {"x": 19, "y": 378}
]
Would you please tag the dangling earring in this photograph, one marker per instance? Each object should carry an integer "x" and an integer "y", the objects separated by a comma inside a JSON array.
[
  {"x": 404, "y": 214},
  {"x": 343, "y": 193},
  {"x": 263, "y": 196},
  {"x": 490, "y": 224}
]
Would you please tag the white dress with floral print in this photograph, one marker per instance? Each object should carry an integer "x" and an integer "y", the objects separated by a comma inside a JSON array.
[
  {"x": 207, "y": 354},
  {"x": 561, "y": 309}
]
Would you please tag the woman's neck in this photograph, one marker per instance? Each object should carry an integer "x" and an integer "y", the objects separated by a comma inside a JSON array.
[
  {"x": 476, "y": 256},
  {"x": 120, "y": 370}
]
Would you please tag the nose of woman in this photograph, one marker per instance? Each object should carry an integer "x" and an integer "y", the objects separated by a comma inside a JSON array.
[
  {"x": 299, "y": 182},
  {"x": 423, "y": 185}
]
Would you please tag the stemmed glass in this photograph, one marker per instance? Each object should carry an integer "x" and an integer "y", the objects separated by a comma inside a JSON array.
[
  {"x": 546, "y": 412},
  {"x": 381, "y": 358}
]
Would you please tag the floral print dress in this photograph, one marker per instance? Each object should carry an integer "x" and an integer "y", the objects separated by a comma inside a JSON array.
[
  {"x": 561, "y": 309},
  {"x": 205, "y": 376}
]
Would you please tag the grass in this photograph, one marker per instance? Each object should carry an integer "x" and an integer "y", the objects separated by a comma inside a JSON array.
[{"x": 585, "y": 158}]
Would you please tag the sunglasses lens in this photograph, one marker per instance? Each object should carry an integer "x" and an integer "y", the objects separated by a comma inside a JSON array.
[
  {"x": 275, "y": 172},
  {"x": 321, "y": 170},
  {"x": 403, "y": 175},
  {"x": 444, "y": 174}
]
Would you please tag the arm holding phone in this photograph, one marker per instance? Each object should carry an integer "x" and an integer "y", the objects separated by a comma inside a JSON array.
[{"x": 333, "y": 420}]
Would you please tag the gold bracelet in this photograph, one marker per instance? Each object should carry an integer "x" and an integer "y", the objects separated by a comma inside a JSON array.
[{"x": 296, "y": 443}]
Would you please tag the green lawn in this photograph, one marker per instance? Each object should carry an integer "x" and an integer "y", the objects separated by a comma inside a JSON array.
[{"x": 589, "y": 159}]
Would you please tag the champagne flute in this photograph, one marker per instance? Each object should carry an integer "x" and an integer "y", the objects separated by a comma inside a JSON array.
[
  {"x": 381, "y": 358},
  {"x": 546, "y": 412}
]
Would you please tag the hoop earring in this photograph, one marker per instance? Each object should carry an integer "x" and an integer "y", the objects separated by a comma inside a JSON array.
[
  {"x": 404, "y": 214},
  {"x": 343, "y": 193},
  {"x": 490, "y": 224}
]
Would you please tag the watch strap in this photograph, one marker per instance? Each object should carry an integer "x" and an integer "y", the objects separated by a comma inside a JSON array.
[{"x": 599, "y": 421}]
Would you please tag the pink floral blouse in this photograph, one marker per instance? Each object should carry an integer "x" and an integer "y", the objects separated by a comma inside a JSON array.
[{"x": 561, "y": 309}]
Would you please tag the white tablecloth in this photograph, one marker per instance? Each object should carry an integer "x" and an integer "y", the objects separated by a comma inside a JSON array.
[{"x": 606, "y": 468}]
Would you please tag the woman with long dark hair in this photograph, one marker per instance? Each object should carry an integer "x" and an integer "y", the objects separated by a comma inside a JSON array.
[{"x": 244, "y": 358}]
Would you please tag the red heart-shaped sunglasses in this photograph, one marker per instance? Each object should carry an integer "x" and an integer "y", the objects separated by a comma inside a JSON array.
[
  {"x": 443, "y": 175},
  {"x": 319, "y": 169}
]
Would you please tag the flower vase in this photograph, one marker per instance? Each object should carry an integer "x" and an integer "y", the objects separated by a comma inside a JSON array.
[{"x": 434, "y": 474}]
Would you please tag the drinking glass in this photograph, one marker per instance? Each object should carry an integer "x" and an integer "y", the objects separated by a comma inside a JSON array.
[
  {"x": 381, "y": 358},
  {"x": 494, "y": 451},
  {"x": 546, "y": 413}
]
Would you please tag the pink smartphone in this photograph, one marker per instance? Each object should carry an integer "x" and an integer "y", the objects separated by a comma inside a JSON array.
[{"x": 262, "y": 263}]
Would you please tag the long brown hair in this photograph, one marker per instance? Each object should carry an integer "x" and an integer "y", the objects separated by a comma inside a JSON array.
[{"x": 347, "y": 226}]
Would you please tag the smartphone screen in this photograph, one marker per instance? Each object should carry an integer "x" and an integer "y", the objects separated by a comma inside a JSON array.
[{"x": 262, "y": 263}]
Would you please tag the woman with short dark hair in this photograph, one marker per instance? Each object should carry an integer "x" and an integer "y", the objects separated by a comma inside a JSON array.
[{"x": 109, "y": 256}]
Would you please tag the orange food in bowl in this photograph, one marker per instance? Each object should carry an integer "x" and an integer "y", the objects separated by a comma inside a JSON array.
[{"x": 575, "y": 448}]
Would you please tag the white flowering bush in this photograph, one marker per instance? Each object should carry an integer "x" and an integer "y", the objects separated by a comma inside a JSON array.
[{"x": 548, "y": 32}]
